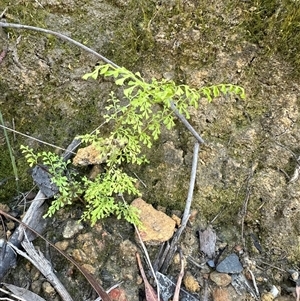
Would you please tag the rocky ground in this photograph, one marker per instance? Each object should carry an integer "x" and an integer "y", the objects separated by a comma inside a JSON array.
[{"x": 244, "y": 188}]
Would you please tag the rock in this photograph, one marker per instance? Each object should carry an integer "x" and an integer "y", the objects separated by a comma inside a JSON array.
[
  {"x": 91, "y": 269},
  {"x": 91, "y": 155},
  {"x": 36, "y": 286},
  {"x": 117, "y": 294},
  {"x": 267, "y": 297},
  {"x": 4, "y": 207},
  {"x": 72, "y": 227},
  {"x": 48, "y": 289},
  {"x": 220, "y": 279},
  {"x": 207, "y": 240},
  {"x": 62, "y": 245},
  {"x": 228, "y": 293},
  {"x": 190, "y": 283},
  {"x": 157, "y": 226},
  {"x": 231, "y": 265},
  {"x": 88, "y": 156},
  {"x": 220, "y": 294}
]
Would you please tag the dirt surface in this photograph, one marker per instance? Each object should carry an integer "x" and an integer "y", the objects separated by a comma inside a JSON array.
[{"x": 243, "y": 186}]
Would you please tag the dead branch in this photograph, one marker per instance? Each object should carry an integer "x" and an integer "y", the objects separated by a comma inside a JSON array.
[
  {"x": 61, "y": 36},
  {"x": 44, "y": 266},
  {"x": 33, "y": 217}
]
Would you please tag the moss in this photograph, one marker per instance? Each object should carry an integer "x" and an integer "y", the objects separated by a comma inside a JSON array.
[
  {"x": 224, "y": 203},
  {"x": 274, "y": 25}
]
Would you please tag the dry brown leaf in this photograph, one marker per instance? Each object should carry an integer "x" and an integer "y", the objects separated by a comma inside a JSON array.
[{"x": 149, "y": 290}]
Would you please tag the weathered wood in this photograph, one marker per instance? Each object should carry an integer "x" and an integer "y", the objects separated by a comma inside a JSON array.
[{"x": 32, "y": 218}]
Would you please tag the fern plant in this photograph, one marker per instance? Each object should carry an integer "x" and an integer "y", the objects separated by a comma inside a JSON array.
[{"x": 136, "y": 125}]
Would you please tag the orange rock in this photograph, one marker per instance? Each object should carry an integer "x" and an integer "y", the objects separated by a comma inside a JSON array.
[
  {"x": 117, "y": 294},
  {"x": 157, "y": 226},
  {"x": 190, "y": 283}
]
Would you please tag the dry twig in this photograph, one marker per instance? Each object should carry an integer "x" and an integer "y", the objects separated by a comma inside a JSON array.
[
  {"x": 186, "y": 213},
  {"x": 43, "y": 265},
  {"x": 179, "y": 280}
]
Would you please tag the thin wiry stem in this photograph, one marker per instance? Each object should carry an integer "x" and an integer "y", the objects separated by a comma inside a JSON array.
[
  {"x": 35, "y": 139},
  {"x": 186, "y": 213},
  {"x": 60, "y": 35},
  {"x": 186, "y": 123}
]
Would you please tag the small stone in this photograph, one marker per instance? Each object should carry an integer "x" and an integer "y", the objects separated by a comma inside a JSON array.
[
  {"x": 89, "y": 268},
  {"x": 48, "y": 289},
  {"x": 117, "y": 294},
  {"x": 79, "y": 255},
  {"x": 267, "y": 297},
  {"x": 36, "y": 286},
  {"x": 220, "y": 279},
  {"x": 4, "y": 207},
  {"x": 88, "y": 156},
  {"x": 176, "y": 219},
  {"x": 190, "y": 283},
  {"x": 72, "y": 227},
  {"x": 10, "y": 225},
  {"x": 62, "y": 245},
  {"x": 231, "y": 265},
  {"x": 207, "y": 240},
  {"x": 220, "y": 294},
  {"x": 157, "y": 226}
]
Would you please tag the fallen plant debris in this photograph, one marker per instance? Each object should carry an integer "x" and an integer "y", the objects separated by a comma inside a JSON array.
[
  {"x": 179, "y": 280},
  {"x": 91, "y": 279},
  {"x": 149, "y": 290}
]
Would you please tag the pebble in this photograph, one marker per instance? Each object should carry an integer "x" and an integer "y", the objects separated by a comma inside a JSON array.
[
  {"x": 190, "y": 283},
  {"x": 228, "y": 293},
  {"x": 220, "y": 294},
  {"x": 91, "y": 269},
  {"x": 72, "y": 227},
  {"x": 267, "y": 297},
  {"x": 230, "y": 265},
  {"x": 48, "y": 289},
  {"x": 220, "y": 279},
  {"x": 62, "y": 245},
  {"x": 117, "y": 294}
]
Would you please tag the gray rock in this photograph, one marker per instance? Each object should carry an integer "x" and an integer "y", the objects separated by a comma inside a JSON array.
[{"x": 230, "y": 265}]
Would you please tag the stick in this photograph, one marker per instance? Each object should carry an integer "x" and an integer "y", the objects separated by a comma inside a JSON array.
[
  {"x": 186, "y": 213},
  {"x": 186, "y": 123},
  {"x": 179, "y": 280},
  {"x": 44, "y": 266},
  {"x": 32, "y": 217},
  {"x": 149, "y": 262},
  {"x": 62, "y": 36}
]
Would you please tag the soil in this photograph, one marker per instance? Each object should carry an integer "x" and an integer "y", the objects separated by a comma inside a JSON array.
[{"x": 251, "y": 149}]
